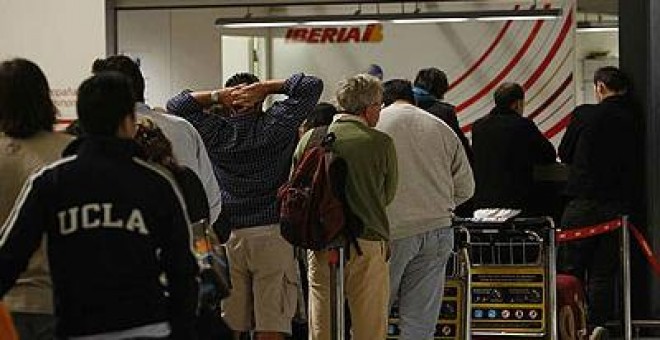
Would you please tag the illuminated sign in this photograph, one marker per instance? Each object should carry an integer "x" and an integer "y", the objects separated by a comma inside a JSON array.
[{"x": 336, "y": 35}]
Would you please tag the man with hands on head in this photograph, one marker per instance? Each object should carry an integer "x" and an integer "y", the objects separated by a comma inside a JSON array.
[{"x": 251, "y": 151}]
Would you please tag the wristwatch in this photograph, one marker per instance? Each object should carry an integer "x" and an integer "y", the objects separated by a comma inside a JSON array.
[{"x": 215, "y": 97}]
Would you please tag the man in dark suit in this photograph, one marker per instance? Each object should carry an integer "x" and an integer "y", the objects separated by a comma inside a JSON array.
[
  {"x": 601, "y": 149},
  {"x": 506, "y": 148}
]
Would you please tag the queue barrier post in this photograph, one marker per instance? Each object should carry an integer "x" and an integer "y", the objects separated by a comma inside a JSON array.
[{"x": 626, "y": 279}]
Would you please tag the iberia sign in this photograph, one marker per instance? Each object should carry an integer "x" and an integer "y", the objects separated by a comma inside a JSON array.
[{"x": 333, "y": 35}]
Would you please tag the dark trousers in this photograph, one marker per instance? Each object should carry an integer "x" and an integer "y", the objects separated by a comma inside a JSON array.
[{"x": 594, "y": 260}]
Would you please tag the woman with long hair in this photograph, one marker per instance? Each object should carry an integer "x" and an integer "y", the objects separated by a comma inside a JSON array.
[{"x": 27, "y": 143}]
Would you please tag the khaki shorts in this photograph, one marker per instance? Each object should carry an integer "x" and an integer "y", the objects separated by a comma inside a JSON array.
[{"x": 264, "y": 281}]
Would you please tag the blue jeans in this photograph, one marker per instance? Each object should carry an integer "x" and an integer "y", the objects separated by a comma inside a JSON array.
[
  {"x": 33, "y": 326},
  {"x": 417, "y": 280}
]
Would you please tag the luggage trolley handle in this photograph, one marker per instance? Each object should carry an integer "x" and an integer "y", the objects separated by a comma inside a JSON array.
[
  {"x": 462, "y": 239},
  {"x": 463, "y": 252},
  {"x": 337, "y": 319}
]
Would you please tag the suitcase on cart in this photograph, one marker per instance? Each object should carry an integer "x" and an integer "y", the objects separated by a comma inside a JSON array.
[{"x": 571, "y": 308}]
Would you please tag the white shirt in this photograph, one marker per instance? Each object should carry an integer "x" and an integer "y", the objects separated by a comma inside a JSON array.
[
  {"x": 189, "y": 151},
  {"x": 434, "y": 172}
]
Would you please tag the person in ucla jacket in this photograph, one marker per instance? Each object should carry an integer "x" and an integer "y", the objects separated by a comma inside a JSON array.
[{"x": 114, "y": 225}]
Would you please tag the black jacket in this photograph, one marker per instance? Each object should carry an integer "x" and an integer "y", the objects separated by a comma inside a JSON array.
[
  {"x": 113, "y": 225},
  {"x": 602, "y": 148},
  {"x": 447, "y": 113},
  {"x": 506, "y": 148},
  {"x": 193, "y": 193}
]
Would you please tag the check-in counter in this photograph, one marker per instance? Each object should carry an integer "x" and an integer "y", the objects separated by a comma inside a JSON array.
[{"x": 549, "y": 183}]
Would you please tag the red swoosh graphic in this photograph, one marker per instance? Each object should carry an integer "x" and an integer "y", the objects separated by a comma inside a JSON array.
[
  {"x": 466, "y": 128},
  {"x": 560, "y": 125},
  {"x": 485, "y": 55},
  {"x": 559, "y": 108},
  {"x": 553, "y": 96},
  {"x": 507, "y": 69},
  {"x": 553, "y": 51}
]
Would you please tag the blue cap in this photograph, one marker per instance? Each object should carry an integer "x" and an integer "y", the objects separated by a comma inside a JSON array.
[{"x": 375, "y": 71}]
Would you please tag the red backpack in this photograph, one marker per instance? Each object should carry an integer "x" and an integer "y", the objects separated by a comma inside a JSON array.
[{"x": 313, "y": 210}]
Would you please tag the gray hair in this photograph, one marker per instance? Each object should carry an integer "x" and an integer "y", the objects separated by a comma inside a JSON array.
[{"x": 357, "y": 93}]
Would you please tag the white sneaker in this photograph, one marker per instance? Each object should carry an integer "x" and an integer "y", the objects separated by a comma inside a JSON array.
[{"x": 598, "y": 333}]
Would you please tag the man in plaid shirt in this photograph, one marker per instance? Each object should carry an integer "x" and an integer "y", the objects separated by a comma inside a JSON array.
[{"x": 251, "y": 152}]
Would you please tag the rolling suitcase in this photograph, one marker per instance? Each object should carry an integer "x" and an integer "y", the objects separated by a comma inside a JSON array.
[
  {"x": 571, "y": 308},
  {"x": 336, "y": 261}
]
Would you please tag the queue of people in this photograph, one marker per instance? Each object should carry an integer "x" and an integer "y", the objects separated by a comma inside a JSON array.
[{"x": 96, "y": 238}]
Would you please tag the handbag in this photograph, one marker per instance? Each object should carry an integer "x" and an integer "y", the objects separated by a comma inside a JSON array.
[{"x": 211, "y": 256}]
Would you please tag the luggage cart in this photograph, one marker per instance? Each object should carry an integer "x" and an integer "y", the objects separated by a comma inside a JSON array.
[
  {"x": 454, "y": 320},
  {"x": 513, "y": 286}
]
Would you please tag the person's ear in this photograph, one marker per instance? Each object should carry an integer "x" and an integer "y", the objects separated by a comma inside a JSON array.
[
  {"x": 599, "y": 90},
  {"x": 127, "y": 128}
]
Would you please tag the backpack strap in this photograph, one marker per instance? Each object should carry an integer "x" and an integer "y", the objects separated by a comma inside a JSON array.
[
  {"x": 321, "y": 137},
  {"x": 318, "y": 134}
]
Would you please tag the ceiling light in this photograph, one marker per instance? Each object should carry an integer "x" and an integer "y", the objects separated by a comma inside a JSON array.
[
  {"x": 516, "y": 18},
  {"x": 340, "y": 22},
  {"x": 596, "y": 29},
  {"x": 259, "y": 24},
  {"x": 597, "y": 26},
  {"x": 427, "y": 20},
  {"x": 397, "y": 17}
]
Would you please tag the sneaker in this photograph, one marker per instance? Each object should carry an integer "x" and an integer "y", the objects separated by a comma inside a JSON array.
[{"x": 599, "y": 333}]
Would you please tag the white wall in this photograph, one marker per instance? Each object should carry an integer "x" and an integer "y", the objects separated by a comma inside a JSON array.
[
  {"x": 178, "y": 49},
  {"x": 145, "y": 36},
  {"x": 235, "y": 54},
  {"x": 586, "y": 44},
  {"x": 63, "y": 37}
]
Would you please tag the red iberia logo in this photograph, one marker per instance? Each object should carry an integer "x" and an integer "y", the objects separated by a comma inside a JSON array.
[{"x": 332, "y": 35}]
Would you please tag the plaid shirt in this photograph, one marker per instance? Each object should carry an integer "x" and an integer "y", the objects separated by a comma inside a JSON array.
[{"x": 251, "y": 154}]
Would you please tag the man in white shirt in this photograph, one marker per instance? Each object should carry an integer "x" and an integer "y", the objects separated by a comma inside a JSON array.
[
  {"x": 187, "y": 145},
  {"x": 434, "y": 177}
]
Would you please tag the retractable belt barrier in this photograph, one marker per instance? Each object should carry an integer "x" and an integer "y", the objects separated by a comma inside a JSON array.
[{"x": 610, "y": 226}]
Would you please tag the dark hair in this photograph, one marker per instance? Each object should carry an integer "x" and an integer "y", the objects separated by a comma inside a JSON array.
[
  {"x": 247, "y": 79},
  {"x": 397, "y": 89},
  {"x": 125, "y": 66},
  {"x": 433, "y": 80},
  {"x": 320, "y": 116},
  {"x": 613, "y": 78},
  {"x": 25, "y": 103},
  {"x": 156, "y": 147},
  {"x": 241, "y": 78},
  {"x": 507, "y": 94},
  {"x": 104, "y": 100}
]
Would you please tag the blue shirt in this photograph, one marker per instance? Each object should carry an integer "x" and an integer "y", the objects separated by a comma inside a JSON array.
[{"x": 251, "y": 154}]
